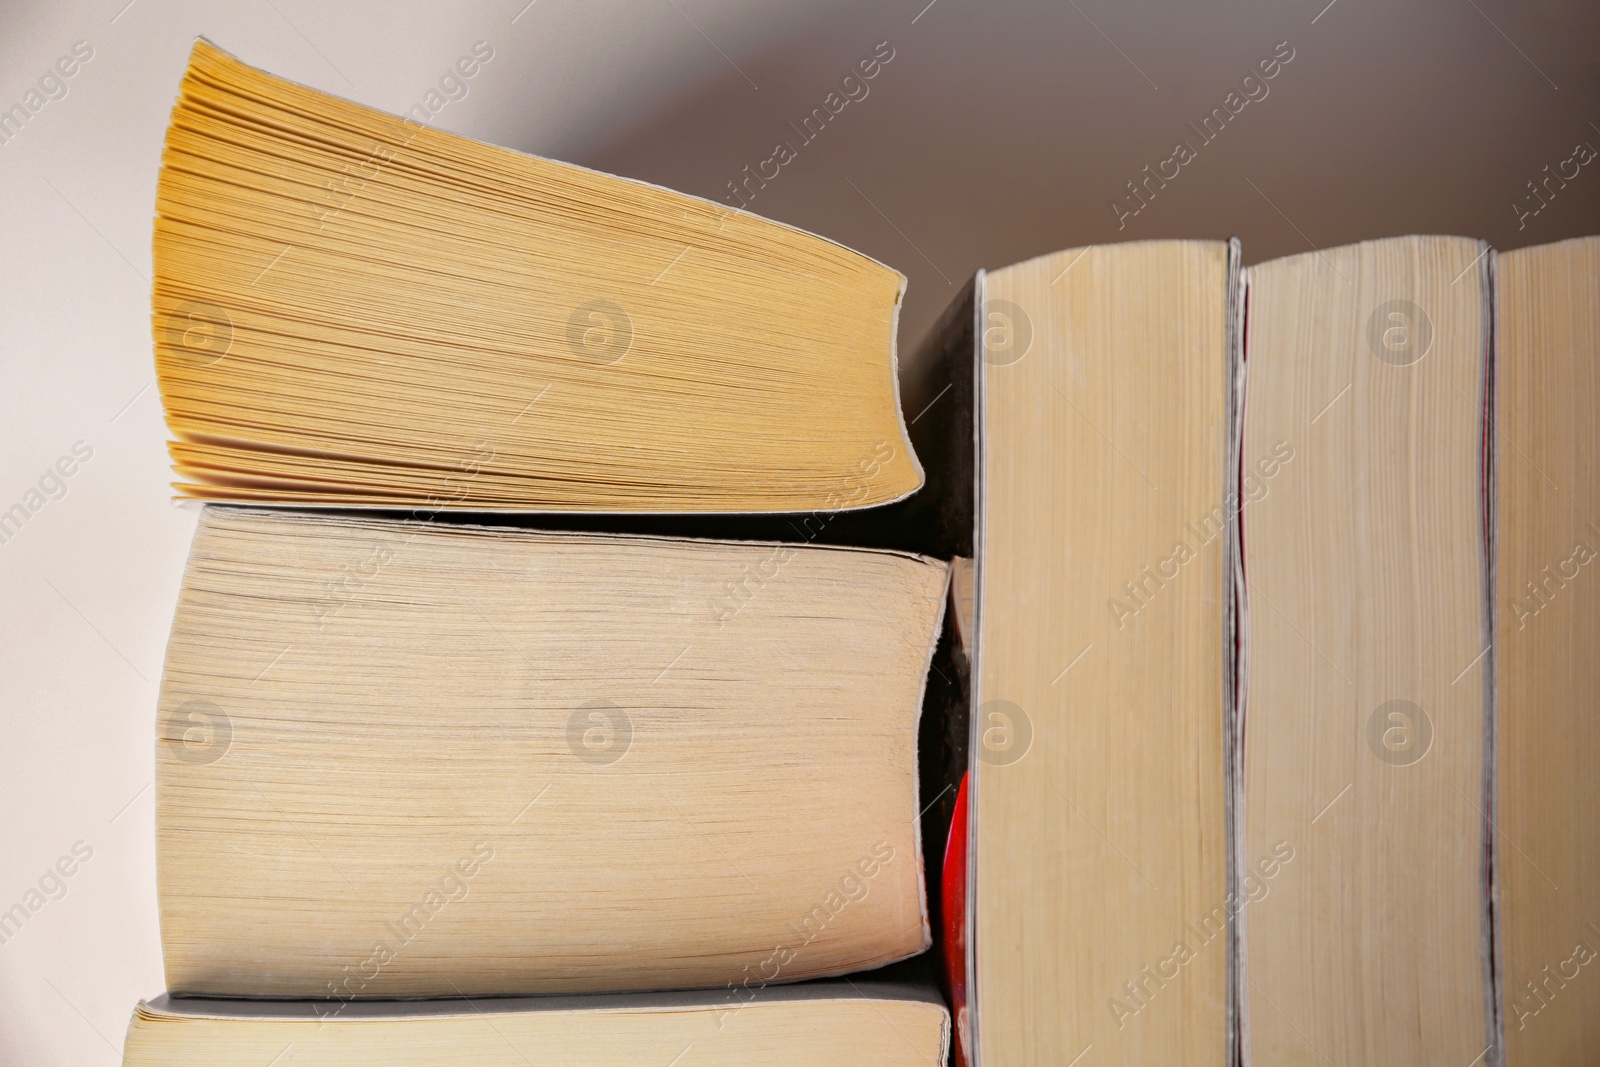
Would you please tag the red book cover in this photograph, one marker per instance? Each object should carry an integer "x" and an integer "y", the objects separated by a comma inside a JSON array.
[{"x": 953, "y": 908}]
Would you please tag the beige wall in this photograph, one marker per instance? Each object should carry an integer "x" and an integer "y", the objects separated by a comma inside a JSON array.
[
  {"x": 1003, "y": 130},
  {"x": 998, "y": 131}
]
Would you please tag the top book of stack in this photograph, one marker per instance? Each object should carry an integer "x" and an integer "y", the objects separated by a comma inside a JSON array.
[{"x": 351, "y": 309}]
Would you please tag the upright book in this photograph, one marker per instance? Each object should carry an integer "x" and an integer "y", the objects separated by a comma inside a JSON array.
[
  {"x": 1366, "y": 722},
  {"x": 1093, "y": 486},
  {"x": 1547, "y": 674}
]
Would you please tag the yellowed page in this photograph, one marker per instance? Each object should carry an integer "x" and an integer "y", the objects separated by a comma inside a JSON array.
[{"x": 351, "y": 308}]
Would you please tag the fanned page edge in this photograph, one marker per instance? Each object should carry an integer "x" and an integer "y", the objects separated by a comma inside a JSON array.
[
  {"x": 895, "y": 388},
  {"x": 202, "y": 39}
]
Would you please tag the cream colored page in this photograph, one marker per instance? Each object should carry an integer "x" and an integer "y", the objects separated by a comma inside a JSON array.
[
  {"x": 888, "y": 1033},
  {"x": 1365, "y": 711},
  {"x": 1548, "y": 670},
  {"x": 1100, "y": 839},
  {"x": 397, "y": 760}
]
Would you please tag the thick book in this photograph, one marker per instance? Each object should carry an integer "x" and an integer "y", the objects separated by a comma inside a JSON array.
[
  {"x": 1366, "y": 724},
  {"x": 1546, "y": 668},
  {"x": 1082, "y": 447},
  {"x": 404, "y": 759},
  {"x": 827, "y": 1022},
  {"x": 353, "y": 309}
]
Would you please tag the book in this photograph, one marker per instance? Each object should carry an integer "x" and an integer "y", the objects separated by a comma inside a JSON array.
[
  {"x": 828, "y": 1022},
  {"x": 1547, "y": 675},
  {"x": 406, "y": 759},
  {"x": 353, "y": 309},
  {"x": 1367, "y": 779},
  {"x": 1091, "y": 486}
]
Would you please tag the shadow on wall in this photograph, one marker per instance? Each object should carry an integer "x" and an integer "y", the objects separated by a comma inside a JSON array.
[{"x": 947, "y": 137}]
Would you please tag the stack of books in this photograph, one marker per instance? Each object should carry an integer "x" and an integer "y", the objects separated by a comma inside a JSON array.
[
  {"x": 608, "y": 791},
  {"x": 1227, "y": 631}
]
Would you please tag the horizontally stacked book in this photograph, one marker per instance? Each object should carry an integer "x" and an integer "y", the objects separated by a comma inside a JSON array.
[
  {"x": 1270, "y": 633},
  {"x": 634, "y": 783}
]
